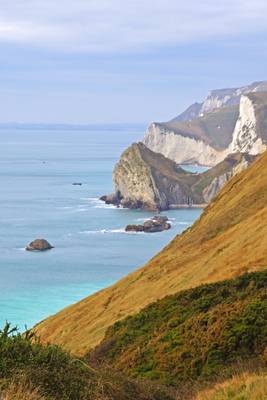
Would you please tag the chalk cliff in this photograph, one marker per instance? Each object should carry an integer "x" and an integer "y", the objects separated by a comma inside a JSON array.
[
  {"x": 182, "y": 146},
  {"x": 148, "y": 180},
  {"x": 250, "y": 134},
  {"x": 205, "y": 132}
]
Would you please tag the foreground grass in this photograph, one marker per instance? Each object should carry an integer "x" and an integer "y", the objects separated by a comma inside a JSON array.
[
  {"x": 244, "y": 387},
  {"x": 32, "y": 371},
  {"x": 21, "y": 391}
]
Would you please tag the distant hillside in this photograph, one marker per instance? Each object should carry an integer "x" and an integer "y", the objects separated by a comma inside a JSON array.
[
  {"x": 228, "y": 240},
  {"x": 219, "y": 98},
  {"x": 204, "y": 133},
  {"x": 198, "y": 334}
]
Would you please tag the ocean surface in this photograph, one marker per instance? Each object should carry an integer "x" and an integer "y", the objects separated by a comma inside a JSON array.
[{"x": 37, "y": 200}]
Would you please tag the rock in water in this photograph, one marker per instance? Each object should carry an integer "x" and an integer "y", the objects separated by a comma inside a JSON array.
[
  {"x": 155, "y": 224},
  {"x": 39, "y": 245},
  {"x": 134, "y": 228}
]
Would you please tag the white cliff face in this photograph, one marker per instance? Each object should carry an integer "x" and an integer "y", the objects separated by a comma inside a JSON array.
[
  {"x": 224, "y": 97},
  {"x": 214, "y": 101},
  {"x": 181, "y": 149},
  {"x": 210, "y": 191},
  {"x": 218, "y": 182},
  {"x": 246, "y": 136}
]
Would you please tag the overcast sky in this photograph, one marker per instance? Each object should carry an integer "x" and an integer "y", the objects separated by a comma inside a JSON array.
[{"x": 83, "y": 61}]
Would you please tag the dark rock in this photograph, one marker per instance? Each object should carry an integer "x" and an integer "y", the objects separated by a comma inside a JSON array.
[
  {"x": 39, "y": 245},
  {"x": 134, "y": 228},
  {"x": 114, "y": 198},
  {"x": 155, "y": 224}
]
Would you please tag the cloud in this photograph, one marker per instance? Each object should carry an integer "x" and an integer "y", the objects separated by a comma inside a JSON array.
[{"x": 128, "y": 26}]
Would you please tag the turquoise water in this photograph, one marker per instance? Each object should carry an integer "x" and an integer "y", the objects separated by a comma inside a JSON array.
[{"x": 37, "y": 199}]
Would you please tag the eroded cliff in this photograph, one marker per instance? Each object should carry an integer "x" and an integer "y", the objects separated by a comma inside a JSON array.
[{"x": 148, "y": 180}]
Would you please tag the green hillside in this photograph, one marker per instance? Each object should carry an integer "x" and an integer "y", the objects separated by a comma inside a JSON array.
[{"x": 194, "y": 335}]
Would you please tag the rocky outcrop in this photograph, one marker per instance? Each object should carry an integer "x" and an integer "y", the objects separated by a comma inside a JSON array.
[
  {"x": 203, "y": 134},
  {"x": 222, "y": 173},
  {"x": 155, "y": 224},
  {"x": 250, "y": 131},
  {"x": 148, "y": 180},
  {"x": 39, "y": 245}
]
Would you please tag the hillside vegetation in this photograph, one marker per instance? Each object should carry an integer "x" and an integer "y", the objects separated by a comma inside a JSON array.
[
  {"x": 32, "y": 371},
  {"x": 195, "y": 335},
  {"x": 228, "y": 240}
]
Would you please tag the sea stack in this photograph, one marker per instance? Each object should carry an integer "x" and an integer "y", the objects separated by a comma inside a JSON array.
[{"x": 39, "y": 245}]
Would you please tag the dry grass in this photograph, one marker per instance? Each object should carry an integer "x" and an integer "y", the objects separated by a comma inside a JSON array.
[
  {"x": 244, "y": 387},
  {"x": 21, "y": 391},
  {"x": 228, "y": 240}
]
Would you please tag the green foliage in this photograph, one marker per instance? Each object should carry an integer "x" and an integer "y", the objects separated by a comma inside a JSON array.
[
  {"x": 55, "y": 371},
  {"x": 59, "y": 376},
  {"x": 194, "y": 335}
]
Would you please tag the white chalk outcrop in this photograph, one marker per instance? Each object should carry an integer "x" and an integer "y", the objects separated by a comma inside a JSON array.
[
  {"x": 247, "y": 135},
  {"x": 181, "y": 148}
]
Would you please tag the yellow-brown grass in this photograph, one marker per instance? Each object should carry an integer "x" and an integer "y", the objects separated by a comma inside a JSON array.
[
  {"x": 229, "y": 239},
  {"x": 21, "y": 391},
  {"x": 243, "y": 387}
]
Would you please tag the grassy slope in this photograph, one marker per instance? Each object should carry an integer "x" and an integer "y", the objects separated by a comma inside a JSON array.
[
  {"x": 243, "y": 387},
  {"x": 228, "y": 240},
  {"x": 194, "y": 335}
]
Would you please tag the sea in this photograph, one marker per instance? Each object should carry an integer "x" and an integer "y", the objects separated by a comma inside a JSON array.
[{"x": 38, "y": 166}]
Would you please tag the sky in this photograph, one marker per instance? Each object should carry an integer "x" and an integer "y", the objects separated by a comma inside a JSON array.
[{"x": 108, "y": 61}]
